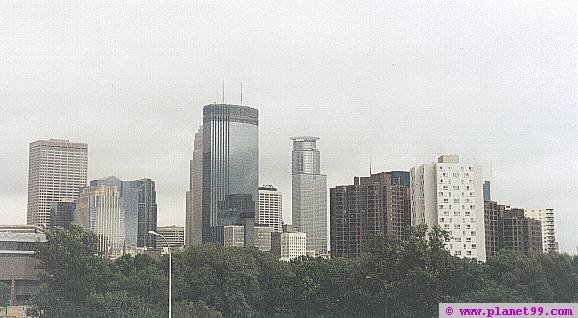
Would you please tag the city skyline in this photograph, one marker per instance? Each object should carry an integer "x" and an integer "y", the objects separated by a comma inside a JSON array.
[{"x": 409, "y": 83}]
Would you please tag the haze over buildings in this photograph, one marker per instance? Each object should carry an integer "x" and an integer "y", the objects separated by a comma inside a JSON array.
[
  {"x": 410, "y": 80},
  {"x": 449, "y": 194},
  {"x": 309, "y": 193},
  {"x": 230, "y": 169},
  {"x": 57, "y": 171}
]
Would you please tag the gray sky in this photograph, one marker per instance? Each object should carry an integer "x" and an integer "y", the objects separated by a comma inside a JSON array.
[{"x": 494, "y": 81}]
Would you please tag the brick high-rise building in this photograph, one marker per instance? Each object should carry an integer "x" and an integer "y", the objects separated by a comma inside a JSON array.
[
  {"x": 546, "y": 216},
  {"x": 519, "y": 233},
  {"x": 378, "y": 204},
  {"x": 492, "y": 211},
  {"x": 56, "y": 172},
  {"x": 508, "y": 229}
]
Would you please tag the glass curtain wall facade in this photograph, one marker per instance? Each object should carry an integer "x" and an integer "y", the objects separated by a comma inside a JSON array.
[
  {"x": 98, "y": 209},
  {"x": 194, "y": 223},
  {"x": 230, "y": 165},
  {"x": 309, "y": 193},
  {"x": 139, "y": 208}
]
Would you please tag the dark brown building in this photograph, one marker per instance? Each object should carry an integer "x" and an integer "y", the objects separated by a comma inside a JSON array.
[
  {"x": 508, "y": 229},
  {"x": 379, "y": 204},
  {"x": 492, "y": 212}
]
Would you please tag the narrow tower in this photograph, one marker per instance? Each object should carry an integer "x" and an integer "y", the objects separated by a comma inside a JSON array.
[{"x": 309, "y": 193}]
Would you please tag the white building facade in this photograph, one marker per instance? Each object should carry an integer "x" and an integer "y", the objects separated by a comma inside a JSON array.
[
  {"x": 546, "y": 216},
  {"x": 270, "y": 207},
  {"x": 289, "y": 244},
  {"x": 175, "y": 236},
  {"x": 449, "y": 194},
  {"x": 56, "y": 172}
]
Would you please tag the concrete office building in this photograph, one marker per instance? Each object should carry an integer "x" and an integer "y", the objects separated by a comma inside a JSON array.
[
  {"x": 194, "y": 202},
  {"x": 234, "y": 235},
  {"x": 378, "y": 204},
  {"x": 56, "y": 172},
  {"x": 175, "y": 235},
  {"x": 288, "y": 244},
  {"x": 309, "y": 193},
  {"x": 139, "y": 208},
  {"x": 230, "y": 169},
  {"x": 546, "y": 216},
  {"x": 271, "y": 207},
  {"x": 62, "y": 213},
  {"x": 449, "y": 194},
  {"x": 17, "y": 263},
  {"x": 98, "y": 209}
]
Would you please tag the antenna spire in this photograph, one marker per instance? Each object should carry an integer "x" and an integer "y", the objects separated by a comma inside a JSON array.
[
  {"x": 370, "y": 161},
  {"x": 223, "y": 91},
  {"x": 241, "y": 93}
]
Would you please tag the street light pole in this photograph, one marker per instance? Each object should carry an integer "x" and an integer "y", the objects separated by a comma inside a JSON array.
[{"x": 170, "y": 270}]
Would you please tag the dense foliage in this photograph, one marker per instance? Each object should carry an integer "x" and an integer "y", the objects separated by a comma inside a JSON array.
[
  {"x": 5, "y": 296},
  {"x": 403, "y": 278}
]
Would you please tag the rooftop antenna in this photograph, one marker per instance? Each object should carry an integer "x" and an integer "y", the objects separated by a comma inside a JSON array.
[
  {"x": 370, "y": 161},
  {"x": 241, "y": 93},
  {"x": 223, "y": 91}
]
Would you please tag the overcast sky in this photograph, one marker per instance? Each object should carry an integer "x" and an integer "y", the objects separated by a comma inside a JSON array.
[{"x": 494, "y": 82}]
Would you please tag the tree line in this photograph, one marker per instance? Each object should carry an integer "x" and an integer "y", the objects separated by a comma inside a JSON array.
[{"x": 392, "y": 278}]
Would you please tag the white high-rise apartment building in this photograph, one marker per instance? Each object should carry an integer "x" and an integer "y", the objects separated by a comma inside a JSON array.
[
  {"x": 270, "y": 207},
  {"x": 546, "y": 216},
  {"x": 56, "y": 172},
  {"x": 309, "y": 193},
  {"x": 449, "y": 194},
  {"x": 288, "y": 244}
]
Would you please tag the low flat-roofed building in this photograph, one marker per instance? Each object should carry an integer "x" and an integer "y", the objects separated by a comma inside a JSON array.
[
  {"x": 175, "y": 236},
  {"x": 17, "y": 262},
  {"x": 289, "y": 244},
  {"x": 234, "y": 235}
]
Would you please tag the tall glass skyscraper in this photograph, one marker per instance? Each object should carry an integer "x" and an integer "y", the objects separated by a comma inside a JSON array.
[
  {"x": 309, "y": 193},
  {"x": 230, "y": 167},
  {"x": 98, "y": 209},
  {"x": 139, "y": 209},
  {"x": 194, "y": 207}
]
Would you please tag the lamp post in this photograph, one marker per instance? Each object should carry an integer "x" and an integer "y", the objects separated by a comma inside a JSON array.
[
  {"x": 170, "y": 269},
  {"x": 384, "y": 293}
]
